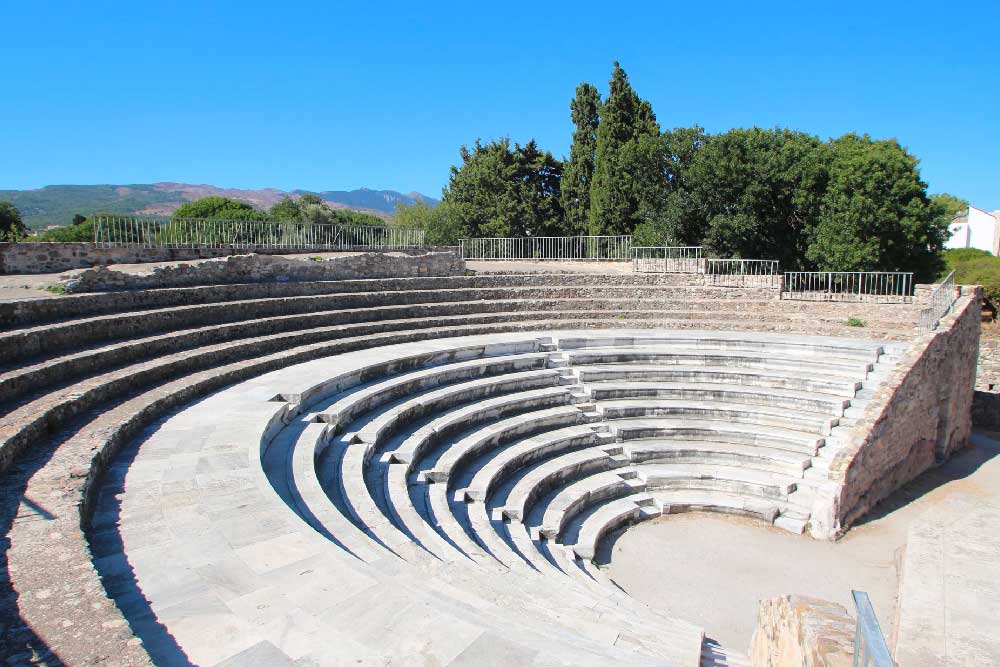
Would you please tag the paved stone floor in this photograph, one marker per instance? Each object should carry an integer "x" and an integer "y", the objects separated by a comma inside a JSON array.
[{"x": 712, "y": 570}]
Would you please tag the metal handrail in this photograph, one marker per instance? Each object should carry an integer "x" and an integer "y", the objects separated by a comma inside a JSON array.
[
  {"x": 939, "y": 302},
  {"x": 883, "y": 286},
  {"x": 668, "y": 259},
  {"x": 548, "y": 248},
  {"x": 156, "y": 232},
  {"x": 870, "y": 647}
]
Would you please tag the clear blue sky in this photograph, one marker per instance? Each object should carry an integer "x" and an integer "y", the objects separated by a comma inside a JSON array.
[{"x": 328, "y": 95}]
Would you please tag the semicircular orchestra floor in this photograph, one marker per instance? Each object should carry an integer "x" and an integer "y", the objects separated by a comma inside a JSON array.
[{"x": 441, "y": 502}]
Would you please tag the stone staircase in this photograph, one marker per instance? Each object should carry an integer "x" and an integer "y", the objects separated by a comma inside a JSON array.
[{"x": 83, "y": 376}]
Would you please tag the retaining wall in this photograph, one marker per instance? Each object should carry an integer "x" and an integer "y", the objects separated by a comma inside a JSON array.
[
  {"x": 59, "y": 257},
  {"x": 921, "y": 414},
  {"x": 256, "y": 268},
  {"x": 799, "y": 631}
]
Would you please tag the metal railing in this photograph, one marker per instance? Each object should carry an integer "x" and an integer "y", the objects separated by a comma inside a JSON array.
[
  {"x": 876, "y": 286},
  {"x": 939, "y": 302},
  {"x": 870, "y": 647},
  {"x": 742, "y": 272},
  {"x": 150, "y": 232},
  {"x": 668, "y": 259},
  {"x": 549, "y": 248}
]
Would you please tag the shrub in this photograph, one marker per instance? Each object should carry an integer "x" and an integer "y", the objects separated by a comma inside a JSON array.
[
  {"x": 855, "y": 322},
  {"x": 975, "y": 267}
]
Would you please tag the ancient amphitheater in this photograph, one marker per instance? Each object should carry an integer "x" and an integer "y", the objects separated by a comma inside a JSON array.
[{"x": 420, "y": 470}]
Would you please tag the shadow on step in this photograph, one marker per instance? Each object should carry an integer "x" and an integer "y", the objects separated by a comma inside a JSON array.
[{"x": 114, "y": 568}]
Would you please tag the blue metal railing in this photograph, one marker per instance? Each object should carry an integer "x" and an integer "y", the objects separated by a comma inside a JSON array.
[{"x": 869, "y": 642}]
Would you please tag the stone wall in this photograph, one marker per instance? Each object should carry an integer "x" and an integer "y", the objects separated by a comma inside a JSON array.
[
  {"x": 920, "y": 415},
  {"x": 799, "y": 631},
  {"x": 988, "y": 374},
  {"x": 59, "y": 257},
  {"x": 263, "y": 268}
]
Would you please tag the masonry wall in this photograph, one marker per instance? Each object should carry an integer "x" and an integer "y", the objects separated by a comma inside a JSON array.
[
  {"x": 59, "y": 257},
  {"x": 263, "y": 268},
  {"x": 799, "y": 631},
  {"x": 920, "y": 415}
]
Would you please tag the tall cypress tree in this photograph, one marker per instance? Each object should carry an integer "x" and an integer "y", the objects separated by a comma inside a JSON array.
[
  {"x": 621, "y": 184},
  {"x": 579, "y": 170}
]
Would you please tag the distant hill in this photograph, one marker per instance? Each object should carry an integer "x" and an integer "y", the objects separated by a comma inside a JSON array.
[{"x": 57, "y": 204}]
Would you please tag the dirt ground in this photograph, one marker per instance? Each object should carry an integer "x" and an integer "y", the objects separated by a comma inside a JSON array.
[{"x": 712, "y": 569}]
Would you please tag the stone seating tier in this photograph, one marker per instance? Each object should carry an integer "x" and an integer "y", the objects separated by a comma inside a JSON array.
[{"x": 83, "y": 378}]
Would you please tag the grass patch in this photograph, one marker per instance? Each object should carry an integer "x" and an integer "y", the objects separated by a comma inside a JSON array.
[
  {"x": 855, "y": 322},
  {"x": 55, "y": 289}
]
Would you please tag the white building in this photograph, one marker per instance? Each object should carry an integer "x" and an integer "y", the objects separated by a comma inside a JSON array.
[{"x": 975, "y": 228}]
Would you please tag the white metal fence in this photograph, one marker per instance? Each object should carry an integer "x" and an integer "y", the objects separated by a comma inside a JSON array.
[
  {"x": 549, "y": 248},
  {"x": 939, "y": 302},
  {"x": 742, "y": 272},
  {"x": 873, "y": 286},
  {"x": 668, "y": 259},
  {"x": 149, "y": 232}
]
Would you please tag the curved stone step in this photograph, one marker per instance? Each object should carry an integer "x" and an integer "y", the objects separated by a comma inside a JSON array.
[
  {"x": 595, "y": 524},
  {"x": 703, "y": 392},
  {"x": 730, "y": 376},
  {"x": 713, "y": 452},
  {"x": 853, "y": 370},
  {"x": 732, "y": 413},
  {"x": 575, "y": 497},
  {"x": 838, "y": 350},
  {"x": 460, "y": 453},
  {"x": 380, "y": 391},
  {"x": 771, "y": 437},
  {"x": 412, "y": 450},
  {"x": 494, "y": 466},
  {"x": 551, "y": 473}
]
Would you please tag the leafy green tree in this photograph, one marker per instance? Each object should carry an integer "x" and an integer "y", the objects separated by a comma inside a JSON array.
[
  {"x": 626, "y": 180},
  {"x": 500, "y": 190},
  {"x": 444, "y": 227},
  {"x": 219, "y": 208},
  {"x": 758, "y": 192},
  {"x": 672, "y": 220},
  {"x": 286, "y": 210},
  {"x": 579, "y": 170},
  {"x": 11, "y": 226},
  {"x": 79, "y": 219},
  {"x": 875, "y": 213},
  {"x": 949, "y": 205},
  {"x": 417, "y": 215}
]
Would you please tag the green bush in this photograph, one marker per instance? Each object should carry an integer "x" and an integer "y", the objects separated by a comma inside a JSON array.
[
  {"x": 82, "y": 232},
  {"x": 975, "y": 267}
]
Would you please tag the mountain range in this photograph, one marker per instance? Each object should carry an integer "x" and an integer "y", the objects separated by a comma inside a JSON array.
[{"x": 57, "y": 204}]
